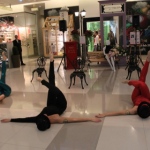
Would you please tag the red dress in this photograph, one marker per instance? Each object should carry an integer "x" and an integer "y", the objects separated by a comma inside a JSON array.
[{"x": 141, "y": 91}]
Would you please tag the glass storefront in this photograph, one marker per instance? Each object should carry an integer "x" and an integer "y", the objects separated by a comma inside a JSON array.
[
  {"x": 95, "y": 26},
  {"x": 23, "y": 25}
]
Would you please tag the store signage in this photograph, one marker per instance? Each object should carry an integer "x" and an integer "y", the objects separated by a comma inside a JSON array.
[
  {"x": 82, "y": 40},
  {"x": 112, "y": 8},
  {"x": 34, "y": 9},
  {"x": 6, "y": 8}
]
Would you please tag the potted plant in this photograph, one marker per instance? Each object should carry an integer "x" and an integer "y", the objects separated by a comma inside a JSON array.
[
  {"x": 15, "y": 57},
  {"x": 88, "y": 34},
  {"x": 75, "y": 35}
]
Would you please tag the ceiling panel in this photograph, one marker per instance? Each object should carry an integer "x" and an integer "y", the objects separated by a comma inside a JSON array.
[{"x": 15, "y": 2}]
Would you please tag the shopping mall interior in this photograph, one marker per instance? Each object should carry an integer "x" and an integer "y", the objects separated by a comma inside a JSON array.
[{"x": 37, "y": 23}]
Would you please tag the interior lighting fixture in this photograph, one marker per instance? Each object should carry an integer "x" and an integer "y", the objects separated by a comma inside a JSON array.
[
  {"x": 76, "y": 14},
  {"x": 83, "y": 13}
]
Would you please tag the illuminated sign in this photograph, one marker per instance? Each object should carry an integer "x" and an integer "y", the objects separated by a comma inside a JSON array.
[
  {"x": 34, "y": 9},
  {"x": 112, "y": 8}
]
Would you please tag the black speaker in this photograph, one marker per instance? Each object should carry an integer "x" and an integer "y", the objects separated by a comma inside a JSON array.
[
  {"x": 62, "y": 25},
  {"x": 135, "y": 21}
]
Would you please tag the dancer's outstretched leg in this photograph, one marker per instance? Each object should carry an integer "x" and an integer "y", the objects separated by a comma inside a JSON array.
[
  {"x": 51, "y": 69},
  {"x": 140, "y": 86},
  {"x": 108, "y": 60},
  {"x": 145, "y": 68},
  {"x": 113, "y": 63}
]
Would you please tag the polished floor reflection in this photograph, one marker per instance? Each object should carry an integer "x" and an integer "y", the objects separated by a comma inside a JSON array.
[{"x": 104, "y": 92}]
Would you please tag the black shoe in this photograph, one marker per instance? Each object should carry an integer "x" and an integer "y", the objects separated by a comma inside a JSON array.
[{"x": 23, "y": 64}]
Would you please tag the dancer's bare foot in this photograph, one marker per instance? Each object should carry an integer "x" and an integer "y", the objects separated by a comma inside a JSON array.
[
  {"x": 39, "y": 79},
  {"x": 4, "y": 56},
  {"x": 148, "y": 56},
  {"x": 125, "y": 82},
  {"x": 2, "y": 97}
]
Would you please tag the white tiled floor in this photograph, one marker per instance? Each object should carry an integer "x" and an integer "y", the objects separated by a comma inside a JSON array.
[{"x": 104, "y": 92}]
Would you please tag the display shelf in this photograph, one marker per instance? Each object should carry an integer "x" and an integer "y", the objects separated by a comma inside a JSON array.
[
  {"x": 7, "y": 35},
  {"x": 53, "y": 38}
]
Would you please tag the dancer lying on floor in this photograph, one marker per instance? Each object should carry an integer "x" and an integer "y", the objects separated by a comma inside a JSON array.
[
  {"x": 5, "y": 90},
  {"x": 56, "y": 105},
  {"x": 140, "y": 96}
]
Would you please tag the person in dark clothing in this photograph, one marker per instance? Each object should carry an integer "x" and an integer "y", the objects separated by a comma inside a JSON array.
[
  {"x": 56, "y": 105},
  {"x": 17, "y": 43},
  {"x": 5, "y": 90}
]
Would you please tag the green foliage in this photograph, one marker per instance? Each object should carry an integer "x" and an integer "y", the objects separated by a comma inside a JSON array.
[
  {"x": 122, "y": 50},
  {"x": 88, "y": 33},
  {"x": 75, "y": 32},
  {"x": 15, "y": 50}
]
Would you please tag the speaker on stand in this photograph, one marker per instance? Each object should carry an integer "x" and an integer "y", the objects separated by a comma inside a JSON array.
[
  {"x": 63, "y": 28},
  {"x": 62, "y": 25},
  {"x": 136, "y": 24}
]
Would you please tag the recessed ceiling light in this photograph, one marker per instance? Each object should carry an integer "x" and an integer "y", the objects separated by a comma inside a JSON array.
[{"x": 20, "y": 0}]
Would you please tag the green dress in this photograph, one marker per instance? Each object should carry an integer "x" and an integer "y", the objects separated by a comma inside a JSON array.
[{"x": 4, "y": 88}]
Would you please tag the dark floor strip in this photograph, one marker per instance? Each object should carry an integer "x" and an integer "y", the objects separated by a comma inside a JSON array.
[{"x": 77, "y": 136}]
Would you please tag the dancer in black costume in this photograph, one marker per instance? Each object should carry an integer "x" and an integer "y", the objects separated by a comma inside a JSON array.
[{"x": 56, "y": 105}]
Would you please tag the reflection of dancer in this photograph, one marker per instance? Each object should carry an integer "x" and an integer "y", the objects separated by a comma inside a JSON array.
[
  {"x": 109, "y": 55},
  {"x": 111, "y": 38},
  {"x": 56, "y": 105},
  {"x": 53, "y": 48},
  {"x": 140, "y": 96},
  {"x": 46, "y": 42},
  {"x": 5, "y": 90}
]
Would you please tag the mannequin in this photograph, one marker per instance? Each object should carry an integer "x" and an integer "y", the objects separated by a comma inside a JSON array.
[{"x": 109, "y": 55}]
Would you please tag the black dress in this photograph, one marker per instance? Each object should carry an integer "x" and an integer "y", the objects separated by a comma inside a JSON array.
[
  {"x": 56, "y": 101},
  {"x": 108, "y": 48}
]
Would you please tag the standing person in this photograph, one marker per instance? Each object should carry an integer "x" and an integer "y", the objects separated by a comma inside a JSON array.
[
  {"x": 5, "y": 90},
  {"x": 140, "y": 96},
  {"x": 56, "y": 105},
  {"x": 111, "y": 38},
  {"x": 96, "y": 41},
  {"x": 17, "y": 43}
]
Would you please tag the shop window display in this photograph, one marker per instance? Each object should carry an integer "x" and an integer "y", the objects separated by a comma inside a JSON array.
[
  {"x": 25, "y": 29},
  {"x": 53, "y": 38},
  {"x": 95, "y": 26}
]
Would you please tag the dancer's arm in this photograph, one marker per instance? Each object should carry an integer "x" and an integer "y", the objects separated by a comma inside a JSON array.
[
  {"x": 21, "y": 120},
  {"x": 131, "y": 111},
  {"x": 58, "y": 119}
]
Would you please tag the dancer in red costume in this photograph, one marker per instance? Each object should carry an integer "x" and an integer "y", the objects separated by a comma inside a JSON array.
[{"x": 140, "y": 96}]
